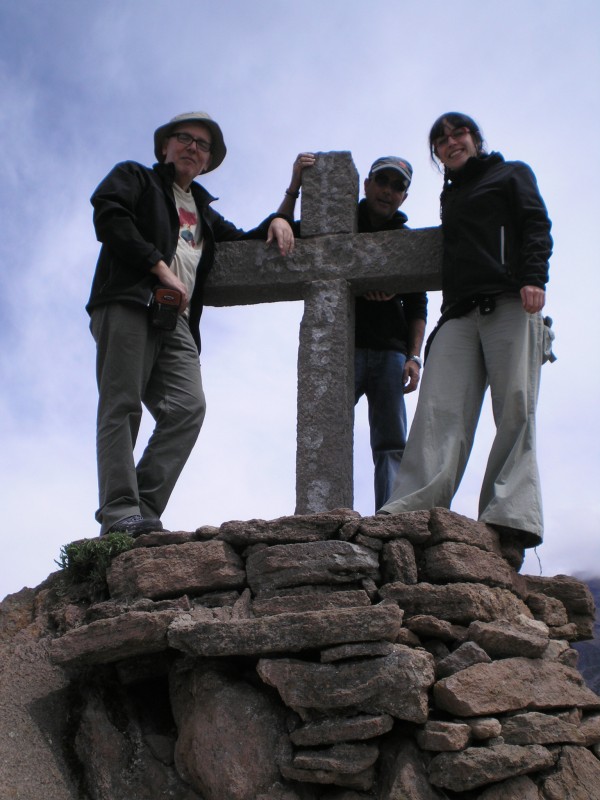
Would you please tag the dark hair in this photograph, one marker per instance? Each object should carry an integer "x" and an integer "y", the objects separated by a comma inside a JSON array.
[{"x": 456, "y": 120}]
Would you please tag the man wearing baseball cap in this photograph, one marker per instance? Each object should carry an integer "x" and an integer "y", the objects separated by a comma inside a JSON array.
[
  {"x": 389, "y": 328},
  {"x": 158, "y": 235}
]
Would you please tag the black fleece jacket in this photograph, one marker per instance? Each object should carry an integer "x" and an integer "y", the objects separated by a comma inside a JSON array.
[
  {"x": 384, "y": 325},
  {"x": 136, "y": 221},
  {"x": 496, "y": 230}
]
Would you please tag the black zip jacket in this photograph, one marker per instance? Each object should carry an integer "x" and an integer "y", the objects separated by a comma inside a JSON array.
[
  {"x": 383, "y": 325},
  {"x": 136, "y": 221},
  {"x": 496, "y": 230}
]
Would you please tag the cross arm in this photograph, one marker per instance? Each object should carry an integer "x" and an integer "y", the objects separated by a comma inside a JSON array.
[{"x": 394, "y": 261}]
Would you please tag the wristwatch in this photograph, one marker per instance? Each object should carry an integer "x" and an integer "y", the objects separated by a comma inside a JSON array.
[{"x": 416, "y": 359}]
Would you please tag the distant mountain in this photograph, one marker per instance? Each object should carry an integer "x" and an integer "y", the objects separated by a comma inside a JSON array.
[{"x": 589, "y": 652}]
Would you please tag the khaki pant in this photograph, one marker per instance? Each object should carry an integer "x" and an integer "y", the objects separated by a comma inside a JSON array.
[
  {"x": 136, "y": 365},
  {"x": 503, "y": 350}
]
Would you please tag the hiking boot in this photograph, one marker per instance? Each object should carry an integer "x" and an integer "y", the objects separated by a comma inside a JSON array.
[{"x": 135, "y": 525}]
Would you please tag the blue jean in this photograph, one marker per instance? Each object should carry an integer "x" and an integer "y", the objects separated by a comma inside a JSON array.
[{"x": 378, "y": 374}]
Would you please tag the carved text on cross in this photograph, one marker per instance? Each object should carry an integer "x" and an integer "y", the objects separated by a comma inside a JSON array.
[{"x": 331, "y": 264}]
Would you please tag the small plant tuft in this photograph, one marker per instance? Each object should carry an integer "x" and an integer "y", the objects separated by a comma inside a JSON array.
[{"x": 86, "y": 561}]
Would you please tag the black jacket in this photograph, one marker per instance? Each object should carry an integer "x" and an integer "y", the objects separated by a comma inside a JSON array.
[
  {"x": 496, "y": 230},
  {"x": 383, "y": 325},
  {"x": 136, "y": 221}
]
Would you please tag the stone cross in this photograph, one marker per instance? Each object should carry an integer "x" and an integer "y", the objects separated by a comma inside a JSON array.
[{"x": 330, "y": 266}]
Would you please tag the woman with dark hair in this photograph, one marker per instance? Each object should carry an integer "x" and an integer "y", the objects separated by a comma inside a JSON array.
[{"x": 497, "y": 243}]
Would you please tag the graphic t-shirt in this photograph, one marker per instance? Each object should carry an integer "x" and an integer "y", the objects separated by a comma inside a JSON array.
[{"x": 189, "y": 243}]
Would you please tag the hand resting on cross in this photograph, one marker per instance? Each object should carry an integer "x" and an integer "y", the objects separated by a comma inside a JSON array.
[{"x": 281, "y": 232}]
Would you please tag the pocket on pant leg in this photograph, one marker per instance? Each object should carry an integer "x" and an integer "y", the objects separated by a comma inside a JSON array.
[{"x": 548, "y": 341}]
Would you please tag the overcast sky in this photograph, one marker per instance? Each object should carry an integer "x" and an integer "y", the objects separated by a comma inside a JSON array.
[{"x": 84, "y": 84}]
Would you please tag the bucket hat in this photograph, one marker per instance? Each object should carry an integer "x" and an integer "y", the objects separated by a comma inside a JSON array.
[{"x": 218, "y": 149}]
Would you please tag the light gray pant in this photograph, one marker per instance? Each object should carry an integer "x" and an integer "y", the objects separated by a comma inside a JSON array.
[
  {"x": 503, "y": 350},
  {"x": 136, "y": 365}
]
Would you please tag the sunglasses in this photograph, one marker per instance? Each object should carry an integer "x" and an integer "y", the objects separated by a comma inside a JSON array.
[{"x": 396, "y": 184}]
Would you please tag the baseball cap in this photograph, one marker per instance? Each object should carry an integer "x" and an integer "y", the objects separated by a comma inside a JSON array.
[{"x": 393, "y": 162}]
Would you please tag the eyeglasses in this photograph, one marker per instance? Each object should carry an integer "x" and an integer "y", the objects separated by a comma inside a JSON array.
[
  {"x": 187, "y": 139},
  {"x": 396, "y": 185},
  {"x": 456, "y": 134}
]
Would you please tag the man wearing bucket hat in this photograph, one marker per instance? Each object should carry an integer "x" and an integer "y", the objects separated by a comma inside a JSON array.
[
  {"x": 389, "y": 328},
  {"x": 158, "y": 235}
]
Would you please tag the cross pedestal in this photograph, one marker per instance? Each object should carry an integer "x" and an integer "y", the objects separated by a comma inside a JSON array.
[{"x": 331, "y": 264}]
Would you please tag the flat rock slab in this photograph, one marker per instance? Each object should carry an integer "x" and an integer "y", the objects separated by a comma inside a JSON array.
[
  {"x": 345, "y": 758},
  {"x": 478, "y": 766},
  {"x": 191, "y": 568},
  {"x": 461, "y": 603},
  {"x": 427, "y": 627},
  {"x": 444, "y": 736},
  {"x": 447, "y": 526},
  {"x": 285, "y": 632},
  {"x": 411, "y": 525},
  {"x": 341, "y": 729},
  {"x": 315, "y": 601},
  {"x": 504, "y": 639},
  {"x": 359, "y": 780},
  {"x": 396, "y": 684},
  {"x": 512, "y": 684},
  {"x": 330, "y": 562},
  {"x": 352, "y": 780},
  {"x": 162, "y": 538},
  {"x": 286, "y": 530},
  {"x": 535, "y": 727},
  {"x": 456, "y": 562},
  {"x": 113, "y": 608},
  {"x": 135, "y": 633},
  {"x": 343, "y": 652}
]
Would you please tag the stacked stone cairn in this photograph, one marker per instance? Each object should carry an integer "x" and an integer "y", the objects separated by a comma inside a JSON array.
[{"x": 335, "y": 657}]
